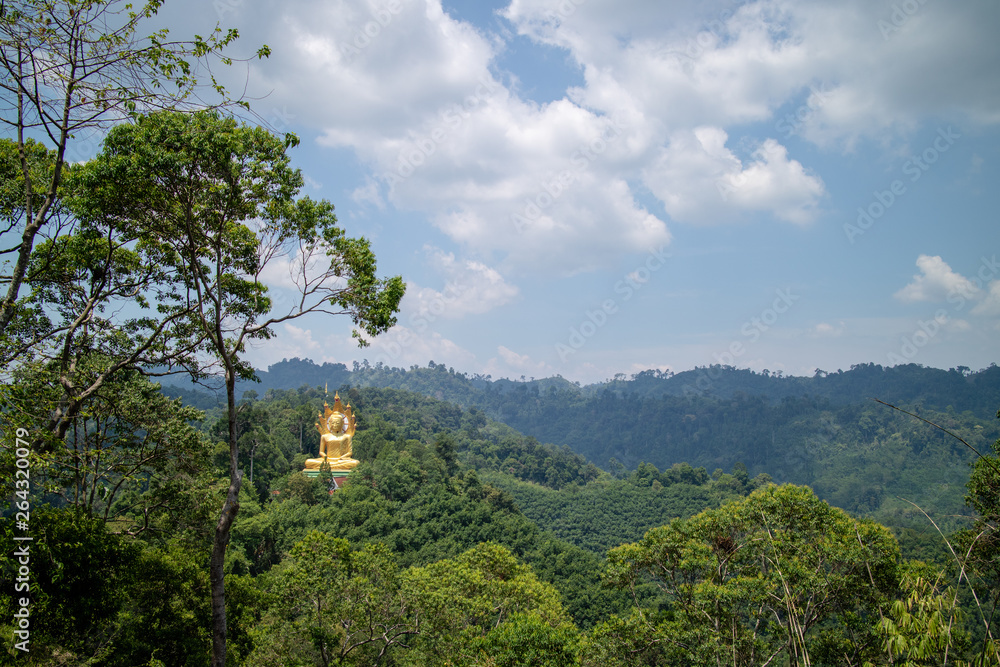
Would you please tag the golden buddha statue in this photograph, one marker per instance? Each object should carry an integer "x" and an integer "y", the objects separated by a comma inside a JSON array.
[{"x": 336, "y": 428}]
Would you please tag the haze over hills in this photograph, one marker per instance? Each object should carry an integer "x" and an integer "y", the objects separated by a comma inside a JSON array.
[
  {"x": 912, "y": 383},
  {"x": 823, "y": 431}
]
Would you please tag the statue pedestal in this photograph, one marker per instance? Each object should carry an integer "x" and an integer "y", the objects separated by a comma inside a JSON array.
[{"x": 339, "y": 476}]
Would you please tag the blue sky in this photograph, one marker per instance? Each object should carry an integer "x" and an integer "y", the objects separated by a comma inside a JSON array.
[{"x": 589, "y": 187}]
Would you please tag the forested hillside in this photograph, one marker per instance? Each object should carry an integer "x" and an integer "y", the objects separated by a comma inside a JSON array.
[
  {"x": 962, "y": 388},
  {"x": 402, "y": 435},
  {"x": 822, "y": 431},
  {"x": 609, "y": 512},
  {"x": 415, "y": 500},
  {"x": 457, "y": 539}
]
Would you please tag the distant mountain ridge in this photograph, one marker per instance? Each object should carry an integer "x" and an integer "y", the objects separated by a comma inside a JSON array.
[
  {"x": 822, "y": 431},
  {"x": 964, "y": 389}
]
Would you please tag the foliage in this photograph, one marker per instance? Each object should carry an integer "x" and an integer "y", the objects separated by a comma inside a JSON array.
[
  {"x": 921, "y": 627},
  {"x": 639, "y": 640},
  {"x": 607, "y": 512},
  {"x": 339, "y": 606},
  {"x": 101, "y": 598},
  {"x": 511, "y": 400},
  {"x": 78, "y": 574},
  {"x": 87, "y": 316},
  {"x": 440, "y": 520},
  {"x": 217, "y": 201},
  {"x": 979, "y": 554},
  {"x": 403, "y": 496},
  {"x": 464, "y": 600},
  {"x": 220, "y": 200},
  {"x": 976, "y": 564},
  {"x": 820, "y": 431},
  {"x": 421, "y": 545},
  {"x": 69, "y": 70},
  {"x": 126, "y": 450},
  {"x": 983, "y": 540},
  {"x": 166, "y": 615},
  {"x": 526, "y": 640},
  {"x": 478, "y": 441},
  {"x": 750, "y": 581},
  {"x": 327, "y": 604}
]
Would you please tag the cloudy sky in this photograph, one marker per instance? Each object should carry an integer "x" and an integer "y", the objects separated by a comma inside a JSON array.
[{"x": 588, "y": 187}]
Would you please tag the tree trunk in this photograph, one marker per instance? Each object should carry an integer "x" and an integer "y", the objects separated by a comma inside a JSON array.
[
  {"x": 217, "y": 571},
  {"x": 221, "y": 540}
]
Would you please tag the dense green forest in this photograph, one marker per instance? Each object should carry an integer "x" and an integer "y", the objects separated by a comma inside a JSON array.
[
  {"x": 858, "y": 455},
  {"x": 558, "y": 562},
  {"x": 821, "y": 431},
  {"x": 609, "y": 512},
  {"x": 486, "y": 522},
  {"x": 977, "y": 391}
]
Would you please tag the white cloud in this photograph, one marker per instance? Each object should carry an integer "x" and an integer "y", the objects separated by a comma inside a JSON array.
[
  {"x": 933, "y": 65},
  {"x": 443, "y": 136},
  {"x": 290, "y": 341},
  {"x": 701, "y": 181},
  {"x": 538, "y": 187},
  {"x": 471, "y": 287},
  {"x": 720, "y": 64},
  {"x": 415, "y": 94},
  {"x": 333, "y": 75},
  {"x": 513, "y": 365},
  {"x": 302, "y": 337},
  {"x": 368, "y": 193},
  {"x": 827, "y": 330},
  {"x": 403, "y": 347},
  {"x": 935, "y": 282},
  {"x": 446, "y": 138},
  {"x": 990, "y": 305}
]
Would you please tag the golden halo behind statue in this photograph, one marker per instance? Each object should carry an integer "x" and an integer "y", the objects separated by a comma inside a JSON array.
[{"x": 335, "y": 446}]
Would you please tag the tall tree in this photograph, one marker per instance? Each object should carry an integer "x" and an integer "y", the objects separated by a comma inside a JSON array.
[
  {"x": 70, "y": 67},
  {"x": 219, "y": 202},
  {"x": 981, "y": 547},
  {"x": 102, "y": 301},
  {"x": 466, "y": 603},
  {"x": 748, "y": 581},
  {"x": 335, "y": 606},
  {"x": 126, "y": 451}
]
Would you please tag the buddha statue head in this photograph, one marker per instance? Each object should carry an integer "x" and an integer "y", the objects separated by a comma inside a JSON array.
[{"x": 335, "y": 422}]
